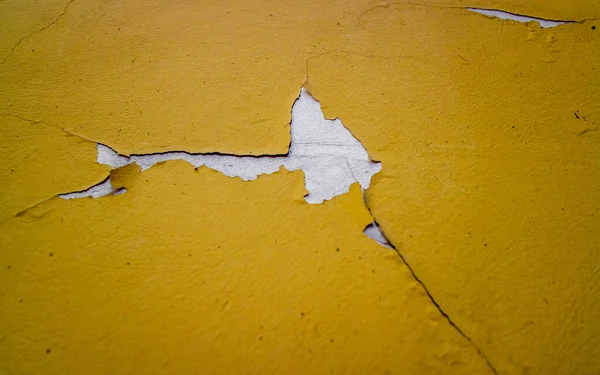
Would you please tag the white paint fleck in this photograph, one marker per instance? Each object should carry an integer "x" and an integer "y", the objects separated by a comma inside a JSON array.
[
  {"x": 516, "y": 17},
  {"x": 331, "y": 158},
  {"x": 96, "y": 191},
  {"x": 373, "y": 231}
]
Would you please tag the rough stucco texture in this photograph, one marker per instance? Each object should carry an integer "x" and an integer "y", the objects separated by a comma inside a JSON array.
[
  {"x": 491, "y": 172},
  {"x": 272, "y": 286},
  {"x": 487, "y": 131}
]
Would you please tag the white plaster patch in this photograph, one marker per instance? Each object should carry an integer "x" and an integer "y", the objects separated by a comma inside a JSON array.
[
  {"x": 331, "y": 158},
  {"x": 516, "y": 17}
]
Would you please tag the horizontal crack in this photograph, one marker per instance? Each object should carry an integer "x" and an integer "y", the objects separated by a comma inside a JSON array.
[
  {"x": 212, "y": 153},
  {"x": 492, "y": 13},
  {"x": 503, "y": 15}
]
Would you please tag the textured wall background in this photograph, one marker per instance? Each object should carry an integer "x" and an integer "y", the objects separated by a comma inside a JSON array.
[{"x": 489, "y": 193}]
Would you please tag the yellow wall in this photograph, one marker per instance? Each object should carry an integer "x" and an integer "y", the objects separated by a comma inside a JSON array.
[{"x": 490, "y": 189}]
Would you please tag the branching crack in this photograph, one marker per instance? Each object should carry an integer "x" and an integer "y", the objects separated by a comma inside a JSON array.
[{"x": 61, "y": 15}]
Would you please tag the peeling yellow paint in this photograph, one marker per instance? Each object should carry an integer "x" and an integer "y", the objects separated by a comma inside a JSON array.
[
  {"x": 41, "y": 161},
  {"x": 491, "y": 174},
  {"x": 487, "y": 131},
  {"x": 191, "y": 271},
  {"x": 144, "y": 78}
]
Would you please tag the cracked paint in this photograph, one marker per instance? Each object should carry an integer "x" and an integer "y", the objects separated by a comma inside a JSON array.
[
  {"x": 331, "y": 158},
  {"x": 490, "y": 186},
  {"x": 38, "y": 163},
  {"x": 493, "y": 13},
  {"x": 261, "y": 288},
  {"x": 374, "y": 232},
  {"x": 487, "y": 130},
  {"x": 102, "y": 189}
]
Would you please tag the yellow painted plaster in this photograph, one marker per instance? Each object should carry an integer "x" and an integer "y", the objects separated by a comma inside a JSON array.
[
  {"x": 40, "y": 161},
  {"x": 487, "y": 131},
  {"x": 174, "y": 75},
  {"x": 169, "y": 75},
  {"x": 21, "y": 18},
  {"x": 193, "y": 272}
]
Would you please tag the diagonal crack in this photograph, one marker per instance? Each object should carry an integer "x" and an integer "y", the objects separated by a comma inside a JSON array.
[
  {"x": 35, "y": 122},
  {"x": 588, "y": 130},
  {"x": 24, "y": 211},
  {"x": 430, "y": 296},
  {"x": 36, "y": 31},
  {"x": 441, "y": 311},
  {"x": 69, "y": 195}
]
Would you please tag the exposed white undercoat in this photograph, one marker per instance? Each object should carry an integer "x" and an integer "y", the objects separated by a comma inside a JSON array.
[{"x": 331, "y": 158}]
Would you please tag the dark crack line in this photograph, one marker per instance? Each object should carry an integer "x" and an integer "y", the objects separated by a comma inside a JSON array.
[
  {"x": 215, "y": 153},
  {"x": 439, "y": 308},
  {"x": 411, "y": 3},
  {"x": 515, "y": 14},
  {"x": 25, "y": 210},
  {"x": 88, "y": 188},
  {"x": 430, "y": 296},
  {"x": 37, "y": 31},
  {"x": 211, "y": 153},
  {"x": 533, "y": 18}
]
